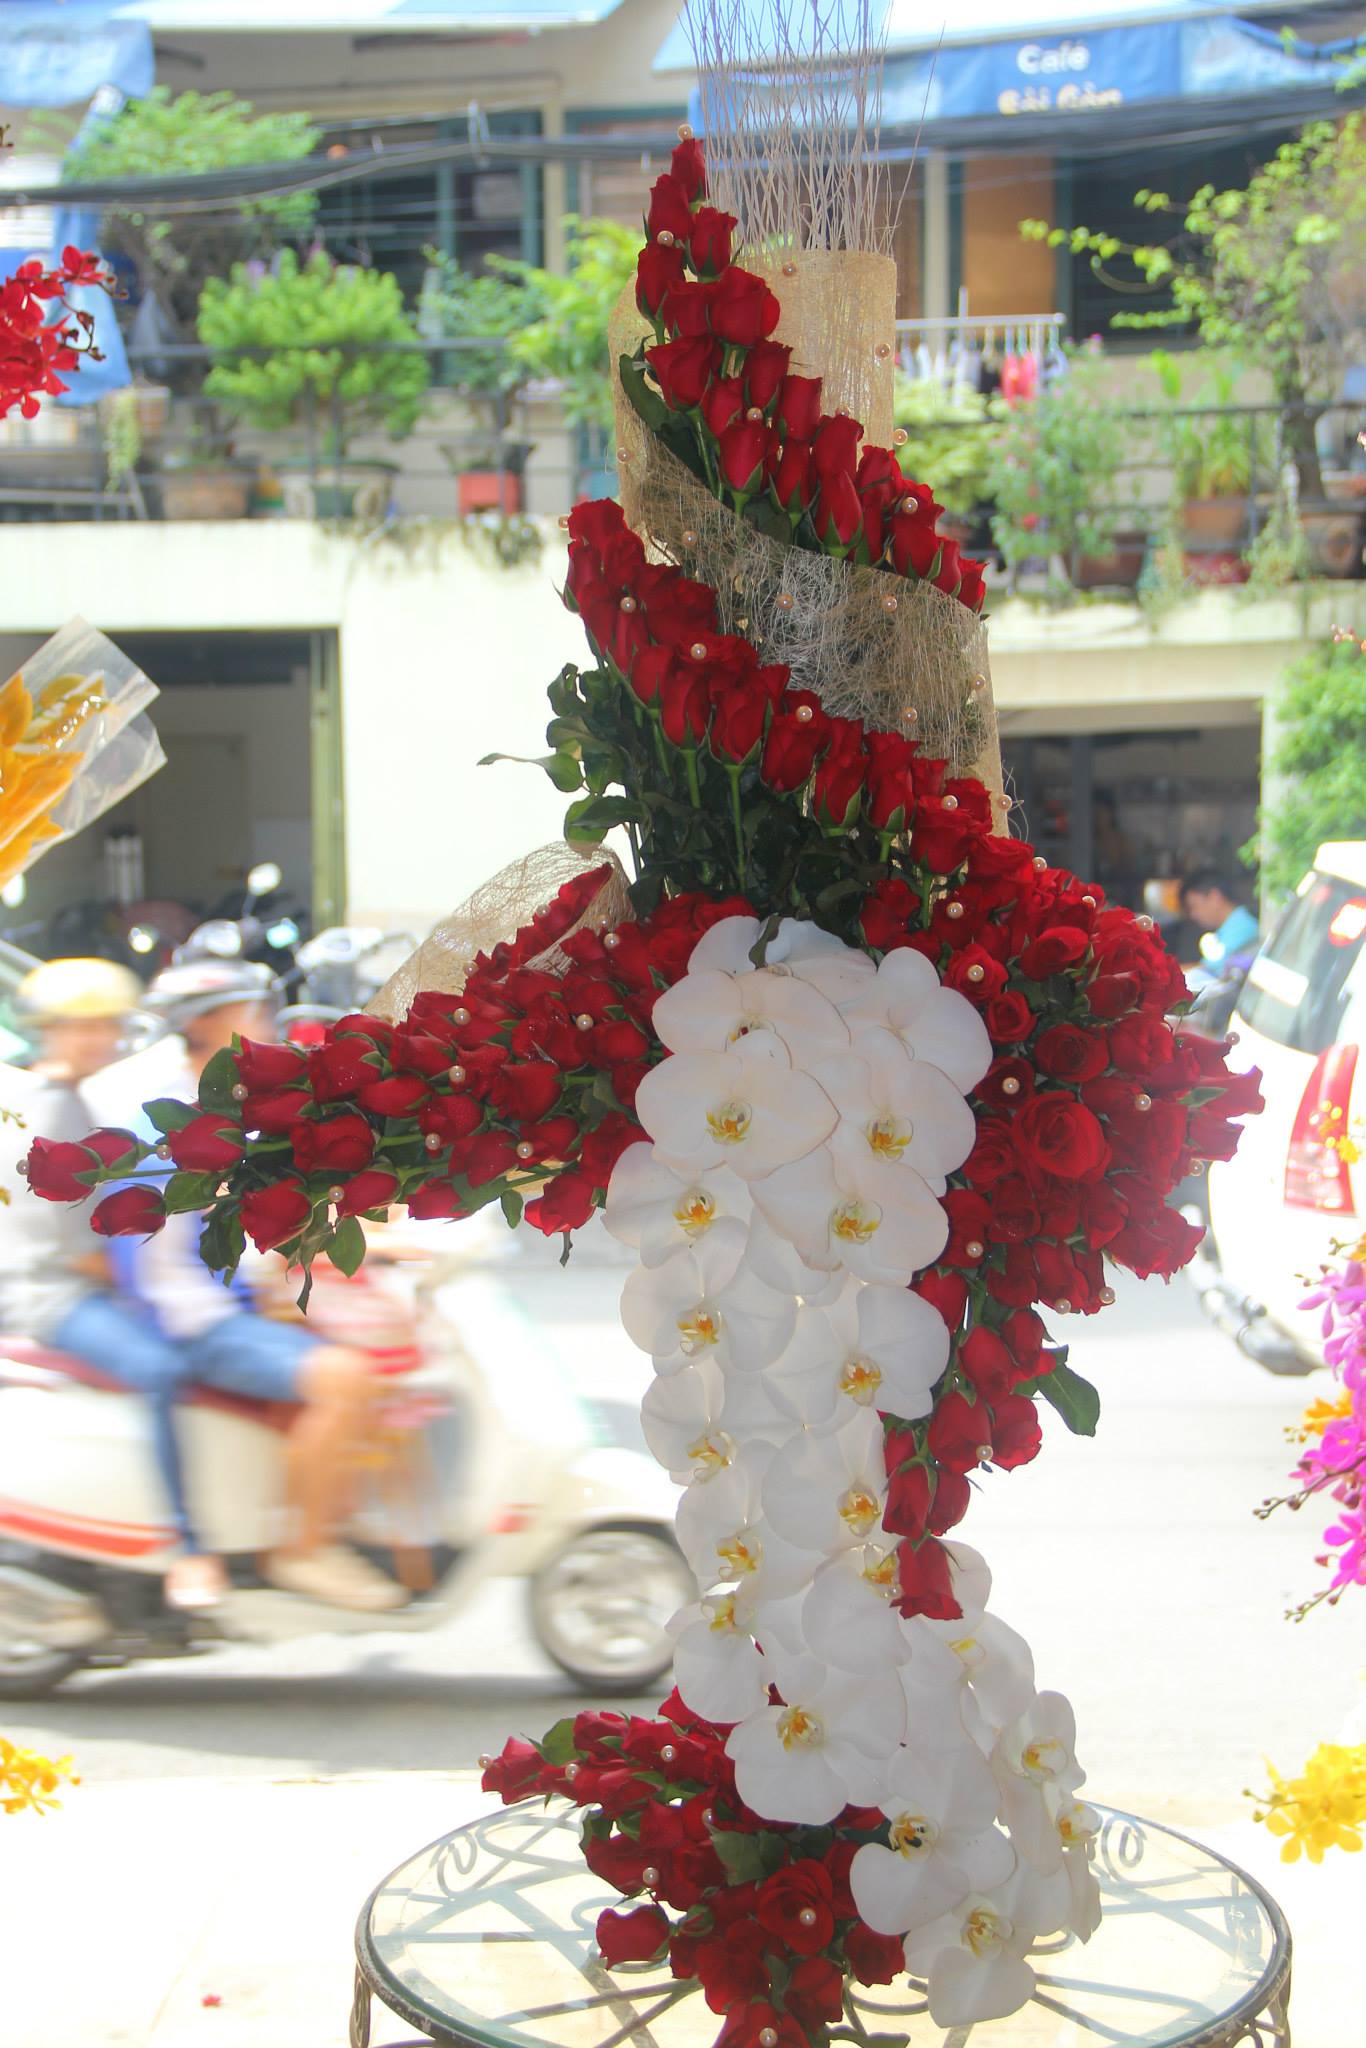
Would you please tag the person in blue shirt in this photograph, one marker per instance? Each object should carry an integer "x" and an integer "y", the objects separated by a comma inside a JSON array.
[{"x": 1230, "y": 927}]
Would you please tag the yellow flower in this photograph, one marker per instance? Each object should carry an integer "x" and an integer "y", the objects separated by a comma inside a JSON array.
[
  {"x": 1324, "y": 1808},
  {"x": 1319, "y": 1414},
  {"x": 28, "y": 1781}
]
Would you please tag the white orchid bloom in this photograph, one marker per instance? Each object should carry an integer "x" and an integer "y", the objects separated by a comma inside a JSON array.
[
  {"x": 718, "y": 1667},
  {"x": 993, "y": 1665},
  {"x": 879, "y": 1348},
  {"x": 717, "y": 1523},
  {"x": 732, "y": 1109},
  {"x": 681, "y": 1419},
  {"x": 703, "y": 1302},
  {"x": 748, "y": 1409},
  {"x": 933, "y": 1022},
  {"x": 769, "y": 1009},
  {"x": 780, "y": 1265},
  {"x": 805, "y": 1760},
  {"x": 657, "y": 1211},
  {"x": 827, "y": 1492},
  {"x": 941, "y": 1802},
  {"x": 906, "y": 1112},
  {"x": 1078, "y": 1825},
  {"x": 848, "y": 1618},
  {"x": 1036, "y": 1767},
  {"x": 840, "y": 972},
  {"x": 846, "y": 1208},
  {"x": 973, "y": 1955}
]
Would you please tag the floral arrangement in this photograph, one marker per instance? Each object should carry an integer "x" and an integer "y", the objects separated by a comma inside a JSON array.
[
  {"x": 30, "y": 1783},
  {"x": 1324, "y": 1808},
  {"x": 865, "y": 1083},
  {"x": 36, "y": 348}
]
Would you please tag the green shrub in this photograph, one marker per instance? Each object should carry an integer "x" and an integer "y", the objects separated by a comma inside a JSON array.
[
  {"x": 948, "y": 442},
  {"x": 1318, "y": 762}
]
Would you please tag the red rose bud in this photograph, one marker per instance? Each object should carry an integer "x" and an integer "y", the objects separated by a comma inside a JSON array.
[
  {"x": 799, "y": 406},
  {"x": 796, "y": 1905},
  {"x": 878, "y": 470},
  {"x": 273, "y": 1215},
  {"x": 684, "y": 707},
  {"x": 688, "y": 168},
  {"x": 972, "y": 585},
  {"x": 659, "y": 269},
  {"x": 744, "y": 310},
  {"x": 686, "y": 312},
  {"x": 799, "y": 731},
  {"x": 834, "y": 446},
  {"x": 890, "y": 788},
  {"x": 792, "y": 477},
  {"x": 744, "y": 446},
  {"x": 837, "y": 515},
  {"x": 337, "y": 1144},
  {"x": 874, "y": 1958},
  {"x": 273, "y": 1115},
  {"x": 632, "y": 1937},
  {"x": 526, "y": 1090},
  {"x": 396, "y": 1096},
  {"x": 723, "y": 402},
  {"x": 434, "y": 1202},
  {"x": 738, "y": 724},
  {"x": 669, "y": 212},
  {"x": 683, "y": 370},
  {"x": 1055, "y": 1135},
  {"x": 838, "y": 786},
  {"x": 765, "y": 371},
  {"x": 209, "y": 1144},
  {"x": 926, "y": 1582},
  {"x": 52, "y": 1167},
  {"x": 709, "y": 242},
  {"x": 340, "y": 1067},
  {"x": 264, "y": 1068},
  {"x": 130, "y": 1212},
  {"x": 517, "y": 1770},
  {"x": 912, "y": 548},
  {"x": 949, "y": 574},
  {"x": 566, "y": 1204},
  {"x": 370, "y": 1190}
]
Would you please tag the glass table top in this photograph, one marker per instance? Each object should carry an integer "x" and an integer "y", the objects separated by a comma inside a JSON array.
[{"x": 488, "y": 1936}]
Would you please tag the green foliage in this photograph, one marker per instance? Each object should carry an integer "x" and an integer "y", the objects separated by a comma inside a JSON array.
[
  {"x": 193, "y": 133},
  {"x": 1318, "y": 762},
  {"x": 1212, "y": 452},
  {"x": 310, "y": 314},
  {"x": 462, "y": 305},
  {"x": 569, "y": 341},
  {"x": 948, "y": 442},
  {"x": 1053, "y": 467}
]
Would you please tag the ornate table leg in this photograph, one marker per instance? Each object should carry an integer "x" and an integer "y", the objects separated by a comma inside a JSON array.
[{"x": 359, "y": 2036}]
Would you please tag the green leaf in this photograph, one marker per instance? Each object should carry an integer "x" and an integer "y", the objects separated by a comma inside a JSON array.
[
  {"x": 557, "y": 1744},
  {"x": 592, "y": 817},
  {"x": 347, "y": 1248},
  {"x": 222, "y": 1242},
  {"x": 169, "y": 1115},
  {"x": 510, "y": 1202},
  {"x": 217, "y": 1082},
  {"x": 647, "y": 403},
  {"x": 187, "y": 1191},
  {"x": 1075, "y": 1399},
  {"x": 741, "y": 1855}
]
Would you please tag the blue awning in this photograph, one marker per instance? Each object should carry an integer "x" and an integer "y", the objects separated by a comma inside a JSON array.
[
  {"x": 358, "y": 17},
  {"x": 57, "y": 56}
]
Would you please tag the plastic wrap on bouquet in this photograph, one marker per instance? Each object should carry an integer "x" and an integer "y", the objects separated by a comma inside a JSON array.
[{"x": 73, "y": 741}]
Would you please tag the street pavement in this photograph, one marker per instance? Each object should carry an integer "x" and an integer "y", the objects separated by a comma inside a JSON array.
[{"x": 1133, "y": 1564}]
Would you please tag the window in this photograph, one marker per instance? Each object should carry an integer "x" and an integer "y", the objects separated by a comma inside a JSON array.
[{"x": 1301, "y": 983}]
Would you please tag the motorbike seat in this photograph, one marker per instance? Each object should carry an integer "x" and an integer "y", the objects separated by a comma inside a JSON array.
[{"x": 29, "y": 1353}]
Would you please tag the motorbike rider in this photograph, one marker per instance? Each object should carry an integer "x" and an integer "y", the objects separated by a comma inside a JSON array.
[
  {"x": 1230, "y": 928},
  {"x": 194, "y": 1329}
]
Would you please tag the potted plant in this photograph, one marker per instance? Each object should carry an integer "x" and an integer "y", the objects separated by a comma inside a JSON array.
[
  {"x": 568, "y": 345},
  {"x": 1053, "y": 473},
  {"x": 948, "y": 436},
  {"x": 312, "y": 330},
  {"x": 480, "y": 313},
  {"x": 1212, "y": 453}
]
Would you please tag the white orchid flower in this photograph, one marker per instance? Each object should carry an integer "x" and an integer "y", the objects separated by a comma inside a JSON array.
[
  {"x": 879, "y": 1348},
  {"x": 680, "y": 1416},
  {"x": 820, "y": 1751},
  {"x": 933, "y": 1022},
  {"x": 703, "y": 1302},
  {"x": 1036, "y": 1767},
  {"x": 848, "y": 1618},
  {"x": 941, "y": 1802},
  {"x": 734, "y": 1109},
  {"x": 992, "y": 1663},
  {"x": 907, "y": 1113},
  {"x": 748, "y": 1409},
  {"x": 817, "y": 957},
  {"x": 768, "y": 1009},
  {"x": 718, "y": 1667},
  {"x": 843, "y": 1208},
  {"x": 827, "y": 1492},
  {"x": 973, "y": 1955},
  {"x": 780, "y": 1265},
  {"x": 656, "y": 1210}
]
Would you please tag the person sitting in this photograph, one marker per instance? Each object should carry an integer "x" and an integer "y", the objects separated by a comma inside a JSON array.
[
  {"x": 1230, "y": 928},
  {"x": 194, "y": 1329}
]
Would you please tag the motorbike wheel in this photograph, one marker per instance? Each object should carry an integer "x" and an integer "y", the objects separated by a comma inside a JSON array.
[
  {"x": 599, "y": 1608},
  {"x": 28, "y": 1669}
]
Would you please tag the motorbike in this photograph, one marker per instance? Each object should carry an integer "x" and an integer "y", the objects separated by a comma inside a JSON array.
[{"x": 481, "y": 1461}]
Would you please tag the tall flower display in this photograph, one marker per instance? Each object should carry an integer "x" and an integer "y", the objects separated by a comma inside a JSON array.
[{"x": 864, "y": 1084}]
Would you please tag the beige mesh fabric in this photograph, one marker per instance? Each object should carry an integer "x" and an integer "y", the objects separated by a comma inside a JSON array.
[
  {"x": 498, "y": 910},
  {"x": 839, "y": 320},
  {"x": 917, "y": 665}
]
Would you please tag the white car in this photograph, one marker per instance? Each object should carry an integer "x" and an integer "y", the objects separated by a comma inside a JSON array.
[{"x": 1290, "y": 1197}]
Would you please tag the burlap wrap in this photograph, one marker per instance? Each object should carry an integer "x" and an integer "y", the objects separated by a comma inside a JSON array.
[
  {"x": 498, "y": 909},
  {"x": 896, "y": 653}
]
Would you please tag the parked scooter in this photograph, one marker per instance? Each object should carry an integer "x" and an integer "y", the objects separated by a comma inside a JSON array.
[{"x": 483, "y": 1462}]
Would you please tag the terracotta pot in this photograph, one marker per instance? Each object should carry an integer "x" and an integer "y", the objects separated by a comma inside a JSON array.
[
  {"x": 488, "y": 490},
  {"x": 338, "y": 490},
  {"x": 1215, "y": 519},
  {"x": 209, "y": 493},
  {"x": 1119, "y": 568},
  {"x": 1334, "y": 541}
]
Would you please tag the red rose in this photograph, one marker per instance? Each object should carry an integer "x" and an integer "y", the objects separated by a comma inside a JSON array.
[
  {"x": 926, "y": 1581},
  {"x": 434, "y": 1202},
  {"x": 838, "y": 785},
  {"x": 949, "y": 573},
  {"x": 658, "y": 270},
  {"x": 340, "y": 1067},
  {"x": 129, "y": 1212},
  {"x": 566, "y": 1204},
  {"x": 1110, "y": 995},
  {"x": 722, "y": 401},
  {"x": 208, "y": 1144},
  {"x": 1056, "y": 1135},
  {"x": 972, "y": 584},
  {"x": 815, "y": 1992},
  {"x": 799, "y": 730},
  {"x": 450, "y": 1117},
  {"x": 921, "y": 1497},
  {"x": 960, "y": 1433},
  {"x": 517, "y": 1770},
  {"x": 683, "y": 369},
  {"x": 273, "y": 1115},
  {"x": 337, "y": 1144},
  {"x": 969, "y": 1217},
  {"x": 890, "y": 784},
  {"x": 1141, "y": 1043},
  {"x": 271, "y": 1216},
  {"x": 371, "y": 1190},
  {"x": 785, "y": 1899},
  {"x": 743, "y": 451},
  {"x": 631, "y": 1937},
  {"x": 913, "y": 547},
  {"x": 1015, "y": 1432},
  {"x": 397, "y": 1095},
  {"x": 1160, "y": 1242},
  {"x": 874, "y": 1958},
  {"x": 687, "y": 167},
  {"x": 52, "y": 1167},
  {"x": 793, "y": 476},
  {"x": 709, "y": 241},
  {"x": 1015, "y": 1217},
  {"x": 526, "y": 1090},
  {"x": 766, "y": 372},
  {"x": 732, "y": 1966},
  {"x": 1008, "y": 1017},
  {"x": 264, "y": 1068},
  {"x": 799, "y": 407},
  {"x": 993, "y": 1154},
  {"x": 834, "y": 447},
  {"x": 1069, "y": 1053},
  {"x": 947, "y": 1292},
  {"x": 988, "y": 1362},
  {"x": 743, "y": 310},
  {"x": 975, "y": 974},
  {"x": 669, "y": 212},
  {"x": 1059, "y": 947},
  {"x": 837, "y": 514}
]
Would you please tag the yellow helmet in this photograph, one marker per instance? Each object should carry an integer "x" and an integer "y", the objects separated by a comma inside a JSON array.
[{"x": 79, "y": 988}]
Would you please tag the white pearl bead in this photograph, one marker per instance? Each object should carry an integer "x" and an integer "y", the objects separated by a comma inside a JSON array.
[
  {"x": 1010, "y": 1085},
  {"x": 1064, "y": 1307},
  {"x": 335, "y": 1194},
  {"x": 1107, "y": 1295},
  {"x": 974, "y": 1248},
  {"x": 432, "y": 1142},
  {"x": 668, "y": 1752},
  {"x": 456, "y": 1074},
  {"x": 583, "y": 1022},
  {"x": 611, "y": 941},
  {"x": 698, "y": 650},
  {"x": 954, "y": 910},
  {"x": 650, "y": 1874},
  {"x": 239, "y": 1091},
  {"x": 977, "y": 972},
  {"x": 526, "y": 1150},
  {"x": 807, "y": 1916},
  {"x": 1143, "y": 1102},
  {"x": 950, "y": 803},
  {"x": 462, "y": 1017}
]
